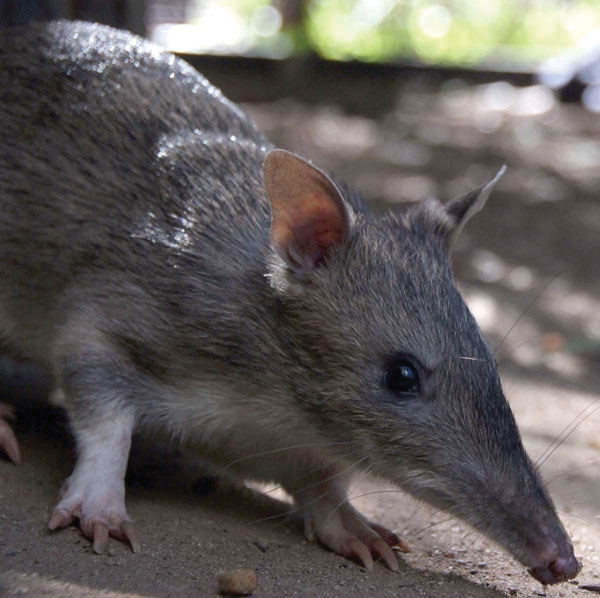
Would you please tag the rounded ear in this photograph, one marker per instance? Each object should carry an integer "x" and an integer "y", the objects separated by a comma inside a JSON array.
[
  {"x": 461, "y": 209},
  {"x": 308, "y": 213}
]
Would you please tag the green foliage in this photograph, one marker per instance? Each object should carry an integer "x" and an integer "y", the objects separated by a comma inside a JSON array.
[
  {"x": 448, "y": 31},
  {"x": 466, "y": 32}
]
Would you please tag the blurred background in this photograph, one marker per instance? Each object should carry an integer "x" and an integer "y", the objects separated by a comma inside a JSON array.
[
  {"x": 462, "y": 32},
  {"x": 410, "y": 98}
]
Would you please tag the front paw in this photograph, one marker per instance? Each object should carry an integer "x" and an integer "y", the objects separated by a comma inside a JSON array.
[
  {"x": 99, "y": 507},
  {"x": 344, "y": 530}
]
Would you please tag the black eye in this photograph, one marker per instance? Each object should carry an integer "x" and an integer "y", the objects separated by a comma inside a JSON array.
[{"x": 402, "y": 376}]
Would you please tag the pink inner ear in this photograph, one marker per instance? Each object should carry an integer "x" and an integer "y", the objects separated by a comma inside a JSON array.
[
  {"x": 316, "y": 226},
  {"x": 308, "y": 214}
]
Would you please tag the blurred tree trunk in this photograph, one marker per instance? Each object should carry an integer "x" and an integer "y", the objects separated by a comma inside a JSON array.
[
  {"x": 292, "y": 11},
  {"x": 293, "y": 15}
]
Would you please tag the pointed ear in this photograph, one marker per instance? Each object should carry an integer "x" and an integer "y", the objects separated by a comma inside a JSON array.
[
  {"x": 308, "y": 214},
  {"x": 460, "y": 210}
]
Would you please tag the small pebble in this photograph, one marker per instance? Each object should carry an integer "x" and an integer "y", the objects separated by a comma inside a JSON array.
[
  {"x": 260, "y": 545},
  {"x": 237, "y": 582},
  {"x": 513, "y": 591}
]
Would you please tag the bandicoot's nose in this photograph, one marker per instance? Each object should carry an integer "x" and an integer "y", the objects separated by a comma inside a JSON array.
[{"x": 556, "y": 570}]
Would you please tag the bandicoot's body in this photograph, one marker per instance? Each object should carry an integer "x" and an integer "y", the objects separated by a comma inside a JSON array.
[{"x": 176, "y": 274}]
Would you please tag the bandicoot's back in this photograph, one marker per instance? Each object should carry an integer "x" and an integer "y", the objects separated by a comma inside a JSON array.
[{"x": 104, "y": 137}]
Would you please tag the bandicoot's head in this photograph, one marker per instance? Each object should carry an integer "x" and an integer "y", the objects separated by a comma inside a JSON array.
[{"x": 395, "y": 365}]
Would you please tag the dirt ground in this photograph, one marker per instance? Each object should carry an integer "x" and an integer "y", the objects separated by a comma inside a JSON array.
[{"x": 542, "y": 226}]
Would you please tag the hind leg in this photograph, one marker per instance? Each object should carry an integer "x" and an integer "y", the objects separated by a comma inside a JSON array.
[
  {"x": 99, "y": 387},
  {"x": 8, "y": 441}
]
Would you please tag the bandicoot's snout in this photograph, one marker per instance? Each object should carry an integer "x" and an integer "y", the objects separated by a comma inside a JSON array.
[
  {"x": 550, "y": 555},
  {"x": 557, "y": 568}
]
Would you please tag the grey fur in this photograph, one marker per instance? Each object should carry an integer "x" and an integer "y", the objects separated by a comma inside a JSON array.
[{"x": 136, "y": 267}]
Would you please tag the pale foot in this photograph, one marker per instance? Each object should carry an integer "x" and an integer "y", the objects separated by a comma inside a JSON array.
[
  {"x": 8, "y": 441},
  {"x": 99, "y": 506},
  {"x": 341, "y": 528}
]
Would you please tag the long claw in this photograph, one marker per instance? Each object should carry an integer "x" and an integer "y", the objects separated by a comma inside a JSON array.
[
  {"x": 9, "y": 442},
  {"x": 357, "y": 548},
  {"x": 391, "y": 539},
  {"x": 128, "y": 532},
  {"x": 388, "y": 536},
  {"x": 59, "y": 519},
  {"x": 402, "y": 546},
  {"x": 381, "y": 548},
  {"x": 100, "y": 535}
]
